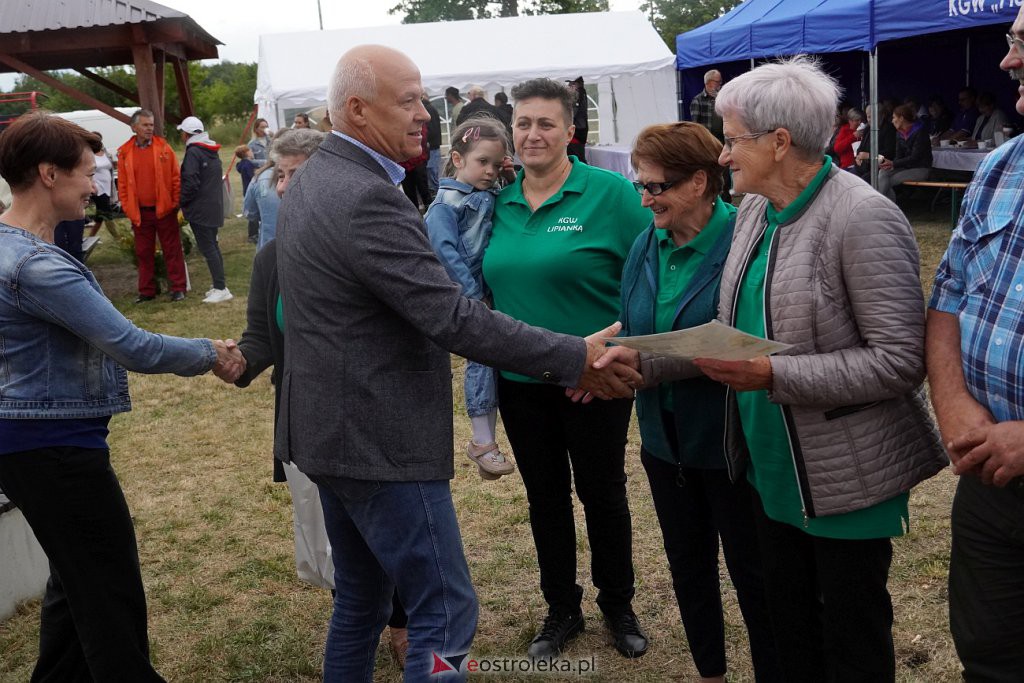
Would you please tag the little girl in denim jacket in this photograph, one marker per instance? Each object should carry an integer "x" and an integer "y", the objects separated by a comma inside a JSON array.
[{"x": 459, "y": 227}]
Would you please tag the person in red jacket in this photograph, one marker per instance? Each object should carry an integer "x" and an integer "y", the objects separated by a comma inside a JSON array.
[
  {"x": 416, "y": 184},
  {"x": 149, "y": 184},
  {"x": 845, "y": 137}
]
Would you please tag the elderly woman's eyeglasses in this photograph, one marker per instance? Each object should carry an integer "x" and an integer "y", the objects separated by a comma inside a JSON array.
[
  {"x": 730, "y": 142},
  {"x": 654, "y": 189},
  {"x": 1015, "y": 42}
]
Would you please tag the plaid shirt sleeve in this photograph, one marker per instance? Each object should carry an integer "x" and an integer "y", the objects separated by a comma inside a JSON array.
[
  {"x": 701, "y": 109},
  {"x": 948, "y": 288}
]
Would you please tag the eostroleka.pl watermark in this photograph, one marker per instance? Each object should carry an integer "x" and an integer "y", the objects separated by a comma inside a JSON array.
[{"x": 497, "y": 666}]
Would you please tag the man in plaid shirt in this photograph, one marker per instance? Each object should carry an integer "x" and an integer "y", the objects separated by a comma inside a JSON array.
[
  {"x": 975, "y": 350},
  {"x": 702, "y": 107}
]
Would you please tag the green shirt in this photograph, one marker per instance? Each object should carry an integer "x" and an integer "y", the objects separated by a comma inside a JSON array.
[
  {"x": 772, "y": 466},
  {"x": 676, "y": 268},
  {"x": 560, "y": 267}
]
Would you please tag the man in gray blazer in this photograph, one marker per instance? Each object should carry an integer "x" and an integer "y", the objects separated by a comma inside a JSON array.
[{"x": 366, "y": 396}]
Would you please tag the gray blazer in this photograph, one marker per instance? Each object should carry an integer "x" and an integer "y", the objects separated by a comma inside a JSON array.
[{"x": 370, "y": 317}]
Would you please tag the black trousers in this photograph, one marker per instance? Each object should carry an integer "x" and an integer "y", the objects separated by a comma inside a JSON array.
[
  {"x": 68, "y": 236},
  {"x": 416, "y": 185},
  {"x": 399, "y": 619},
  {"x": 829, "y": 605},
  {"x": 93, "y": 617},
  {"x": 577, "y": 149},
  {"x": 986, "y": 581},
  {"x": 206, "y": 240},
  {"x": 556, "y": 443},
  {"x": 692, "y": 517}
]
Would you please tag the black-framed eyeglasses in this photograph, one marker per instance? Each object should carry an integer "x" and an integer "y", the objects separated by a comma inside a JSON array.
[
  {"x": 730, "y": 142},
  {"x": 654, "y": 189},
  {"x": 1015, "y": 42}
]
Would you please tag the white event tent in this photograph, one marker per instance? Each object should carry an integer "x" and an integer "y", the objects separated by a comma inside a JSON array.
[{"x": 620, "y": 52}]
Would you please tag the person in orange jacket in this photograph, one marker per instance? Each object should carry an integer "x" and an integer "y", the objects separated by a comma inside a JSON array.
[{"x": 149, "y": 183}]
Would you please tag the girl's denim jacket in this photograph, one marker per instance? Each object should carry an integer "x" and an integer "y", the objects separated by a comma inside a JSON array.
[
  {"x": 262, "y": 203},
  {"x": 459, "y": 225},
  {"x": 63, "y": 346}
]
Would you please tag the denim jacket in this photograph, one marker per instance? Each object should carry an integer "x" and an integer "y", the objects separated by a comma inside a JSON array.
[
  {"x": 459, "y": 223},
  {"x": 63, "y": 346},
  {"x": 262, "y": 203},
  {"x": 259, "y": 148}
]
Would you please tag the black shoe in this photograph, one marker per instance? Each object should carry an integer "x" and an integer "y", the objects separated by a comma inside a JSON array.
[
  {"x": 627, "y": 636},
  {"x": 558, "y": 629},
  {"x": 143, "y": 298},
  {"x": 177, "y": 296}
]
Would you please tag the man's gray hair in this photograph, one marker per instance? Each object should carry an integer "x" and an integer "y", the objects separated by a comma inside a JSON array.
[
  {"x": 140, "y": 114},
  {"x": 296, "y": 142},
  {"x": 794, "y": 94},
  {"x": 353, "y": 76},
  {"x": 708, "y": 75}
]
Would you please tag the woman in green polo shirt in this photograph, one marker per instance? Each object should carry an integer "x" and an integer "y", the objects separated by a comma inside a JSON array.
[
  {"x": 670, "y": 282},
  {"x": 561, "y": 234},
  {"x": 834, "y": 431}
]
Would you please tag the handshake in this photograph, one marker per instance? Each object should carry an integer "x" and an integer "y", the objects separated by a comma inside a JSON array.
[
  {"x": 610, "y": 372},
  {"x": 230, "y": 362}
]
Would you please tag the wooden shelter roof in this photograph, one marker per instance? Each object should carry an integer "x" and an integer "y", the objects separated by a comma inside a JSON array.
[{"x": 79, "y": 34}]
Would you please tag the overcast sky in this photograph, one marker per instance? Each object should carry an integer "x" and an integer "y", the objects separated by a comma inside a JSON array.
[{"x": 239, "y": 23}]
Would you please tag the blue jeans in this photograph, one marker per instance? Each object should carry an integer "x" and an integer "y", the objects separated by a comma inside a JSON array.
[
  {"x": 433, "y": 168},
  {"x": 481, "y": 389},
  {"x": 419, "y": 552}
]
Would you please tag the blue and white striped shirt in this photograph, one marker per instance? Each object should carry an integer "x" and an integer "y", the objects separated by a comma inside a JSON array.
[
  {"x": 394, "y": 170},
  {"x": 981, "y": 281}
]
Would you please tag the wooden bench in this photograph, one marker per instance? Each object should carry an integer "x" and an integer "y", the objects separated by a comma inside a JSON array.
[{"x": 941, "y": 185}]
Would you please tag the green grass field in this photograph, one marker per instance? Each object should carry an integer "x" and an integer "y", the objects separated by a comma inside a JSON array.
[{"x": 215, "y": 534}]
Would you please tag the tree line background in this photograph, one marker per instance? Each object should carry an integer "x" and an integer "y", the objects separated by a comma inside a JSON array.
[
  {"x": 222, "y": 92},
  {"x": 670, "y": 17}
]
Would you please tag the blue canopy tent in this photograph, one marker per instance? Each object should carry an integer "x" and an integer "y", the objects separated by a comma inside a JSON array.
[{"x": 847, "y": 33}]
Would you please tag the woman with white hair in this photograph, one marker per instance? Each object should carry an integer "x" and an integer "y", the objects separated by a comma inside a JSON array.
[{"x": 832, "y": 432}]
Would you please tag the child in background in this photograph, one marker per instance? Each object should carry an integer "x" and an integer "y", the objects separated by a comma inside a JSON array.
[
  {"x": 459, "y": 227},
  {"x": 246, "y": 167}
]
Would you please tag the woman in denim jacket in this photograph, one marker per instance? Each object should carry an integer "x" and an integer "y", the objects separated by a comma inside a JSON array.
[
  {"x": 63, "y": 353},
  {"x": 459, "y": 227}
]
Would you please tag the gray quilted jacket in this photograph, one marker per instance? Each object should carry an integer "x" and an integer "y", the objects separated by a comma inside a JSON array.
[{"x": 843, "y": 288}]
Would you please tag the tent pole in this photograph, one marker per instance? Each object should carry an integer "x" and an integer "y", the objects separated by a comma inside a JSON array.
[
  {"x": 967, "y": 76},
  {"x": 751, "y": 63},
  {"x": 679, "y": 94},
  {"x": 615, "y": 110},
  {"x": 873, "y": 68}
]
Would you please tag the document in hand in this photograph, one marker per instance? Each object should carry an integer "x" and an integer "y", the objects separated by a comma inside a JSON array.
[{"x": 710, "y": 340}]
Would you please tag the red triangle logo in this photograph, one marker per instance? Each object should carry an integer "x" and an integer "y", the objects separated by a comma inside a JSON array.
[{"x": 440, "y": 665}]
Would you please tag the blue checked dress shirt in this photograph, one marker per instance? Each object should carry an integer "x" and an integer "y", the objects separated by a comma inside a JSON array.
[
  {"x": 981, "y": 281},
  {"x": 394, "y": 170}
]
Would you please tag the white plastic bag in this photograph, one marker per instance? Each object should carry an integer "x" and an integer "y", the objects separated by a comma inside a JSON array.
[{"x": 313, "y": 559}]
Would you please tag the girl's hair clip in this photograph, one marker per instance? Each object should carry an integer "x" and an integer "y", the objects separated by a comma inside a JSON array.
[{"x": 473, "y": 133}]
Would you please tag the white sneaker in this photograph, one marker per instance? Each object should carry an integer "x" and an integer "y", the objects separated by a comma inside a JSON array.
[
  {"x": 218, "y": 295},
  {"x": 210, "y": 291}
]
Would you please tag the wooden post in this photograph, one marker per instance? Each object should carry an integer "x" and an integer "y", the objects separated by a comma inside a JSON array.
[
  {"x": 184, "y": 87},
  {"x": 158, "y": 71},
  {"x": 145, "y": 76},
  {"x": 21, "y": 66}
]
